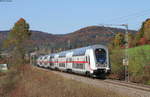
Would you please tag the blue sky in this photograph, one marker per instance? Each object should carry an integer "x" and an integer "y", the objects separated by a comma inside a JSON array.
[{"x": 65, "y": 16}]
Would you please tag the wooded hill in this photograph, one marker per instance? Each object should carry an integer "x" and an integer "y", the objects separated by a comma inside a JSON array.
[{"x": 82, "y": 37}]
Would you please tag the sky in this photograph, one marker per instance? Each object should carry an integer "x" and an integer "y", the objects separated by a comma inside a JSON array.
[{"x": 66, "y": 16}]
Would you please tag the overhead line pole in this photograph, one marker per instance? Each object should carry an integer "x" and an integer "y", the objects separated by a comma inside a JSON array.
[
  {"x": 126, "y": 63},
  {"x": 126, "y": 54}
]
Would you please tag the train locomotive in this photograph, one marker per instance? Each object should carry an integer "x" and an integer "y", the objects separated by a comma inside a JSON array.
[{"x": 91, "y": 61}]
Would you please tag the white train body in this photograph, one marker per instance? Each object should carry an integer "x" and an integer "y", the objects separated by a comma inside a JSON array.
[{"x": 91, "y": 60}]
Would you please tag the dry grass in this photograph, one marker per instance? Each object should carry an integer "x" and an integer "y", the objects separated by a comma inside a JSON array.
[{"x": 40, "y": 83}]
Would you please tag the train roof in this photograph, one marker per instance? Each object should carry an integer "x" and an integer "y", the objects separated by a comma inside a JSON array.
[
  {"x": 63, "y": 54},
  {"x": 81, "y": 51},
  {"x": 78, "y": 51}
]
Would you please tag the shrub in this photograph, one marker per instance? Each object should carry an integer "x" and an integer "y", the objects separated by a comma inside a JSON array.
[{"x": 117, "y": 67}]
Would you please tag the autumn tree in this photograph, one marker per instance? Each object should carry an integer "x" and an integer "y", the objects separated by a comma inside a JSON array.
[
  {"x": 17, "y": 40},
  {"x": 138, "y": 36},
  {"x": 130, "y": 40},
  {"x": 146, "y": 29},
  {"x": 119, "y": 40},
  {"x": 144, "y": 33}
]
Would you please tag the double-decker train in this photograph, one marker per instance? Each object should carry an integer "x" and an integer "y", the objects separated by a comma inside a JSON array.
[{"x": 91, "y": 61}]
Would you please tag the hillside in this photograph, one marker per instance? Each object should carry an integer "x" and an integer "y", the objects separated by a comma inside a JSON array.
[
  {"x": 135, "y": 49},
  {"x": 82, "y": 37},
  {"x": 139, "y": 64}
]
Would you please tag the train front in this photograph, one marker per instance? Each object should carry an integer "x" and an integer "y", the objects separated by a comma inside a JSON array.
[{"x": 102, "y": 61}]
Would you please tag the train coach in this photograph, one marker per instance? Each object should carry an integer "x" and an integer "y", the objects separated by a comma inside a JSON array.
[{"x": 91, "y": 61}]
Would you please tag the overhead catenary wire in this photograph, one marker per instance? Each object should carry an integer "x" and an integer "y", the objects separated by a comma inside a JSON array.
[
  {"x": 131, "y": 19},
  {"x": 133, "y": 15}
]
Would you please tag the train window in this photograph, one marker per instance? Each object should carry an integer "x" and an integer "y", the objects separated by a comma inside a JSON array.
[
  {"x": 100, "y": 55},
  {"x": 45, "y": 57},
  {"x": 51, "y": 56},
  {"x": 79, "y": 52},
  {"x": 62, "y": 54},
  {"x": 78, "y": 66},
  {"x": 70, "y": 59},
  {"x": 61, "y": 64}
]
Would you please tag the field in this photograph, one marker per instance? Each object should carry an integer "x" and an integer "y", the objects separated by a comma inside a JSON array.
[{"x": 33, "y": 82}]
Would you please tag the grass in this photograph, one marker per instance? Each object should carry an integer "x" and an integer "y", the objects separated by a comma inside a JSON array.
[
  {"x": 139, "y": 51},
  {"x": 39, "y": 83},
  {"x": 139, "y": 62},
  {"x": 139, "y": 57},
  {"x": 146, "y": 47}
]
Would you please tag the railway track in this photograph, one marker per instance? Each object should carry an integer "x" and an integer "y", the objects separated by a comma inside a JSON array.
[
  {"x": 122, "y": 87},
  {"x": 117, "y": 82},
  {"x": 129, "y": 84}
]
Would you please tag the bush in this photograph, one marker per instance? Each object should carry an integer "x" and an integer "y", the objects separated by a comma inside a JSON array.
[
  {"x": 146, "y": 76},
  {"x": 117, "y": 67},
  {"x": 12, "y": 79}
]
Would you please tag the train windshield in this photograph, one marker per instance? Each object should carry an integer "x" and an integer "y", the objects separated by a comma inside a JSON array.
[{"x": 100, "y": 55}]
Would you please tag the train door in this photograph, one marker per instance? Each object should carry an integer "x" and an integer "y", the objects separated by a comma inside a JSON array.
[
  {"x": 56, "y": 61},
  {"x": 48, "y": 64},
  {"x": 88, "y": 64},
  {"x": 52, "y": 64},
  {"x": 69, "y": 63}
]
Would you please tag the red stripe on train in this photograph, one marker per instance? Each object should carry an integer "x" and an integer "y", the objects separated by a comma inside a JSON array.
[
  {"x": 68, "y": 62},
  {"x": 64, "y": 61}
]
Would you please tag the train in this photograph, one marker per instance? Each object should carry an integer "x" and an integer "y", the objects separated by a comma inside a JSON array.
[{"x": 90, "y": 61}]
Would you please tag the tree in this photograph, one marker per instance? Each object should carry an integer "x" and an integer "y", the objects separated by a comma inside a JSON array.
[
  {"x": 131, "y": 43},
  {"x": 138, "y": 36},
  {"x": 144, "y": 33},
  {"x": 147, "y": 29},
  {"x": 143, "y": 41},
  {"x": 17, "y": 40},
  {"x": 119, "y": 40}
]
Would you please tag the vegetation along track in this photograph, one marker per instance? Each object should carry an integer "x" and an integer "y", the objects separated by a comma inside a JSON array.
[{"x": 121, "y": 87}]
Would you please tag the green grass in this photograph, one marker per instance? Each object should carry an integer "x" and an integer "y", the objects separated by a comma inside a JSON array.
[
  {"x": 139, "y": 57},
  {"x": 145, "y": 48}
]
